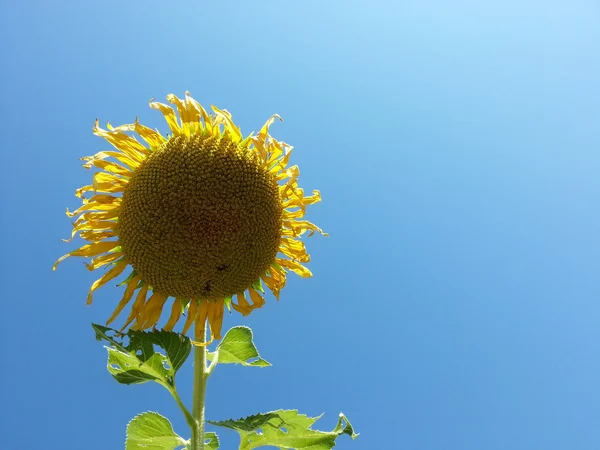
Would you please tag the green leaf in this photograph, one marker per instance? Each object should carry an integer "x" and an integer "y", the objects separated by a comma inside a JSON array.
[
  {"x": 137, "y": 361},
  {"x": 286, "y": 429},
  {"x": 237, "y": 348},
  {"x": 151, "y": 431},
  {"x": 211, "y": 440}
]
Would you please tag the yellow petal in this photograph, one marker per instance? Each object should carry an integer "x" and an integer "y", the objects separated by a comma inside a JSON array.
[
  {"x": 186, "y": 114},
  {"x": 295, "y": 267},
  {"x": 175, "y": 314},
  {"x": 112, "y": 273},
  {"x": 272, "y": 286},
  {"x": 140, "y": 299},
  {"x": 215, "y": 318},
  {"x": 257, "y": 300},
  {"x": 150, "y": 312},
  {"x": 93, "y": 206},
  {"x": 294, "y": 249},
  {"x": 103, "y": 260},
  {"x": 242, "y": 306},
  {"x": 129, "y": 290},
  {"x": 291, "y": 172},
  {"x": 231, "y": 130},
  {"x": 89, "y": 250},
  {"x": 200, "y": 111},
  {"x": 277, "y": 165},
  {"x": 89, "y": 227},
  {"x": 263, "y": 135},
  {"x": 104, "y": 177},
  {"x": 93, "y": 216},
  {"x": 201, "y": 316},
  {"x": 170, "y": 116},
  {"x": 120, "y": 140},
  {"x": 152, "y": 137},
  {"x": 287, "y": 215},
  {"x": 299, "y": 227},
  {"x": 96, "y": 236},
  {"x": 109, "y": 166},
  {"x": 104, "y": 199},
  {"x": 191, "y": 315},
  {"x": 132, "y": 161},
  {"x": 100, "y": 187},
  {"x": 274, "y": 281}
]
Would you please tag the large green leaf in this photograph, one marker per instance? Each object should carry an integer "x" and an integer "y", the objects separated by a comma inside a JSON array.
[
  {"x": 138, "y": 361},
  {"x": 237, "y": 347},
  {"x": 151, "y": 431},
  {"x": 286, "y": 429}
]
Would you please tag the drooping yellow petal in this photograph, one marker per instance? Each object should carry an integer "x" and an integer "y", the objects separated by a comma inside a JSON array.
[
  {"x": 257, "y": 300},
  {"x": 100, "y": 187},
  {"x": 93, "y": 206},
  {"x": 298, "y": 200},
  {"x": 132, "y": 161},
  {"x": 131, "y": 287},
  {"x": 89, "y": 250},
  {"x": 112, "y": 273},
  {"x": 88, "y": 227},
  {"x": 299, "y": 227},
  {"x": 297, "y": 214},
  {"x": 108, "y": 166},
  {"x": 150, "y": 312},
  {"x": 277, "y": 272},
  {"x": 272, "y": 285},
  {"x": 274, "y": 280},
  {"x": 242, "y": 306},
  {"x": 95, "y": 236},
  {"x": 291, "y": 172},
  {"x": 105, "y": 199},
  {"x": 295, "y": 267},
  {"x": 294, "y": 249},
  {"x": 277, "y": 165},
  {"x": 140, "y": 299},
  {"x": 215, "y": 318},
  {"x": 105, "y": 177},
  {"x": 94, "y": 216},
  {"x": 103, "y": 260},
  {"x": 191, "y": 315},
  {"x": 201, "y": 316},
  {"x": 175, "y": 314}
]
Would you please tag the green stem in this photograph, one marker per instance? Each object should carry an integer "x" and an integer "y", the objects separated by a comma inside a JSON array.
[
  {"x": 189, "y": 418},
  {"x": 200, "y": 377}
]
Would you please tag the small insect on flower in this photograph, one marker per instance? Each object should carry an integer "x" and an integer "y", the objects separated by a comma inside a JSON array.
[{"x": 200, "y": 216}]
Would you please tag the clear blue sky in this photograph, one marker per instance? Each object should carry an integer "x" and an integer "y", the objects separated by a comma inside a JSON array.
[{"x": 456, "y": 303}]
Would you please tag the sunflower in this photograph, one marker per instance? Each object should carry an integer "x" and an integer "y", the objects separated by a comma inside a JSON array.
[{"x": 204, "y": 216}]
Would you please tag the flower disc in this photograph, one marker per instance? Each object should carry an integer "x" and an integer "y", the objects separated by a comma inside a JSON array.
[{"x": 200, "y": 218}]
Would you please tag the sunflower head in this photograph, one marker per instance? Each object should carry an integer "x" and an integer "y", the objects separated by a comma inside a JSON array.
[{"x": 202, "y": 216}]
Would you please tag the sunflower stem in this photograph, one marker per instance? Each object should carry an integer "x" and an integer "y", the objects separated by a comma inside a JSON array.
[{"x": 200, "y": 377}]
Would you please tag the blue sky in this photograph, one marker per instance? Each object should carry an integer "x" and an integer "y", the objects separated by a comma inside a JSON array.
[{"x": 455, "y": 304}]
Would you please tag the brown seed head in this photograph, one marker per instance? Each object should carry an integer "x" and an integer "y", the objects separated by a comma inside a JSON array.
[{"x": 201, "y": 218}]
